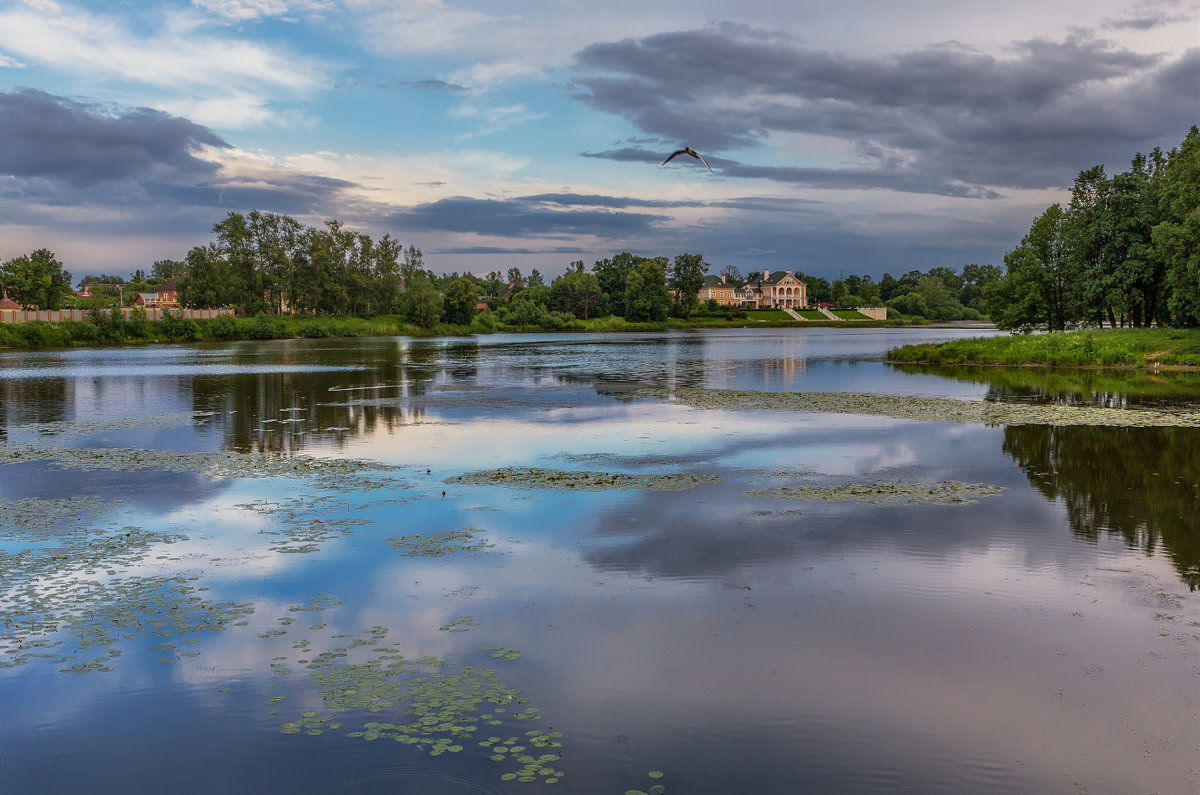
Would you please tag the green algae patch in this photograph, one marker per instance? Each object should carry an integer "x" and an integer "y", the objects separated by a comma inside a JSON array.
[
  {"x": 460, "y": 624},
  {"x": 339, "y": 474},
  {"x": 61, "y": 587},
  {"x": 440, "y": 543},
  {"x": 889, "y": 492},
  {"x": 925, "y": 409},
  {"x": 574, "y": 480},
  {"x": 437, "y": 707}
]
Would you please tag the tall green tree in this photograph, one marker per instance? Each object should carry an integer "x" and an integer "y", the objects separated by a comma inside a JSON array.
[
  {"x": 611, "y": 275},
  {"x": 1177, "y": 236},
  {"x": 460, "y": 301},
  {"x": 36, "y": 280},
  {"x": 687, "y": 277},
  {"x": 646, "y": 295},
  {"x": 206, "y": 284},
  {"x": 1041, "y": 286}
]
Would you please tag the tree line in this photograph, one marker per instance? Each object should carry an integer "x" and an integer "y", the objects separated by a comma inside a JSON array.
[
  {"x": 1124, "y": 251},
  {"x": 271, "y": 264}
]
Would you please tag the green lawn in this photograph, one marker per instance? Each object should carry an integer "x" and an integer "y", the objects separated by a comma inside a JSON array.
[
  {"x": 770, "y": 314},
  {"x": 810, "y": 314},
  {"x": 849, "y": 314},
  {"x": 1091, "y": 348}
]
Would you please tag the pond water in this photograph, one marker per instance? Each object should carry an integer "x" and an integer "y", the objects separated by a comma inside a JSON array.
[{"x": 513, "y": 563}]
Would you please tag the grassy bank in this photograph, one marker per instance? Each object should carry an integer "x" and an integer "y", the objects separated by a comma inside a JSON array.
[
  {"x": 118, "y": 331},
  {"x": 1091, "y": 348}
]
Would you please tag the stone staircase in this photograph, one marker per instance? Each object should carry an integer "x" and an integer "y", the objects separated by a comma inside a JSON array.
[
  {"x": 827, "y": 313},
  {"x": 792, "y": 313}
]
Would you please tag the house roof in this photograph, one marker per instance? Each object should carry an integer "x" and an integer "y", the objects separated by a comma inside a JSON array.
[
  {"x": 715, "y": 281},
  {"x": 148, "y": 296},
  {"x": 8, "y": 303},
  {"x": 169, "y": 286},
  {"x": 756, "y": 279}
]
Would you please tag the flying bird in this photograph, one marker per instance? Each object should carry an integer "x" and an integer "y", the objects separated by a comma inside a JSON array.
[{"x": 687, "y": 150}]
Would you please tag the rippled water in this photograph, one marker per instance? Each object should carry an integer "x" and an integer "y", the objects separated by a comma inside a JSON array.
[{"x": 1045, "y": 638}]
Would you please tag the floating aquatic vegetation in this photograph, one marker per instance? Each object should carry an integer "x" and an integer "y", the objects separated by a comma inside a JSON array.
[
  {"x": 64, "y": 429},
  {"x": 656, "y": 789},
  {"x": 439, "y": 706},
  {"x": 460, "y": 624},
  {"x": 925, "y": 409},
  {"x": 440, "y": 543},
  {"x": 888, "y": 492},
  {"x": 294, "y": 522},
  {"x": 502, "y": 652},
  {"x": 331, "y": 473},
  {"x": 574, "y": 480},
  {"x": 62, "y": 589}
]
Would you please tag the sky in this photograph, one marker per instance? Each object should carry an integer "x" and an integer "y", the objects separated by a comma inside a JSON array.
[{"x": 864, "y": 136}]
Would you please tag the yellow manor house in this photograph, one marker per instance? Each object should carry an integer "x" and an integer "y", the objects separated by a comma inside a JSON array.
[{"x": 764, "y": 290}]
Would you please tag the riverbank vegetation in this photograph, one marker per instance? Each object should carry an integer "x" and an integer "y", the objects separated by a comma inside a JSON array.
[
  {"x": 1086, "y": 348},
  {"x": 1125, "y": 251}
]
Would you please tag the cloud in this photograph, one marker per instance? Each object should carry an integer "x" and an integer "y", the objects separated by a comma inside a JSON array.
[
  {"x": 79, "y": 143},
  {"x": 245, "y": 10},
  {"x": 180, "y": 55},
  {"x": 10, "y": 63},
  {"x": 943, "y": 119},
  {"x": 519, "y": 217},
  {"x": 502, "y": 250},
  {"x": 492, "y": 119}
]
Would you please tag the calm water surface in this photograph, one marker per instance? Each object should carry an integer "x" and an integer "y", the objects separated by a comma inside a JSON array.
[{"x": 246, "y": 625}]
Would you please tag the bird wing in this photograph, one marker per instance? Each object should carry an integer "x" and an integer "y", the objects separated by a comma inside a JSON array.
[
  {"x": 674, "y": 155},
  {"x": 705, "y": 162}
]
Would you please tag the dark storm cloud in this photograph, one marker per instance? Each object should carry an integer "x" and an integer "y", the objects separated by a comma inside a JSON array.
[
  {"x": 501, "y": 250},
  {"x": 83, "y": 144},
  {"x": 944, "y": 119},
  {"x": 519, "y": 217}
]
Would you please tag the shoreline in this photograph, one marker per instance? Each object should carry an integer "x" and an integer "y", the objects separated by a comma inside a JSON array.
[{"x": 70, "y": 335}]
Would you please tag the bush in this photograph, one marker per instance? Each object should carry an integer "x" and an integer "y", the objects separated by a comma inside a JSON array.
[
  {"x": 312, "y": 329},
  {"x": 264, "y": 327},
  {"x": 484, "y": 323},
  {"x": 223, "y": 327},
  {"x": 175, "y": 326}
]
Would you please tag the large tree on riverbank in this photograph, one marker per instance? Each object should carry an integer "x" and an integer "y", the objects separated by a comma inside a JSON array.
[
  {"x": 1126, "y": 250},
  {"x": 36, "y": 280}
]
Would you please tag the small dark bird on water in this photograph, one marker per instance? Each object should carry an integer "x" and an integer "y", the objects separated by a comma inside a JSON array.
[
  {"x": 687, "y": 150},
  {"x": 443, "y": 494}
]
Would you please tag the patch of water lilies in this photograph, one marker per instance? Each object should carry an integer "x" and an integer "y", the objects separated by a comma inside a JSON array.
[
  {"x": 436, "y": 706},
  {"x": 460, "y": 624},
  {"x": 330, "y": 473},
  {"x": 67, "y": 429},
  {"x": 63, "y": 593},
  {"x": 502, "y": 652},
  {"x": 295, "y": 521},
  {"x": 888, "y": 492},
  {"x": 656, "y": 789},
  {"x": 577, "y": 480},
  {"x": 440, "y": 543},
  {"x": 925, "y": 409}
]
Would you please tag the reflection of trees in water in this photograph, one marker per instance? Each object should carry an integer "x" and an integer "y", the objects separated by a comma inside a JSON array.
[
  {"x": 1142, "y": 484},
  {"x": 1082, "y": 387},
  {"x": 382, "y": 395},
  {"x": 35, "y": 400}
]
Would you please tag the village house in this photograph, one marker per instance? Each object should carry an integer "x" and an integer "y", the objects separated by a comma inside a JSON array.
[
  {"x": 716, "y": 288},
  {"x": 776, "y": 290},
  {"x": 165, "y": 296}
]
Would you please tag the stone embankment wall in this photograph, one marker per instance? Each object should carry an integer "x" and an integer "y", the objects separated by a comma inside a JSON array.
[
  {"x": 873, "y": 312},
  {"x": 60, "y": 315}
]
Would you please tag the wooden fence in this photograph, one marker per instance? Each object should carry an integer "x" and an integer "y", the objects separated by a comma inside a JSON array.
[{"x": 64, "y": 315}]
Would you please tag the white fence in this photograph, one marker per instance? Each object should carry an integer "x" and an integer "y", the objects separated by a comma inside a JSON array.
[{"x": 62, "y": 315}]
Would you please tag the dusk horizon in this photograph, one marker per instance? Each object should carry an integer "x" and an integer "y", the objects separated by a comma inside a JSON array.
[{"x": 859, "y": 140}]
